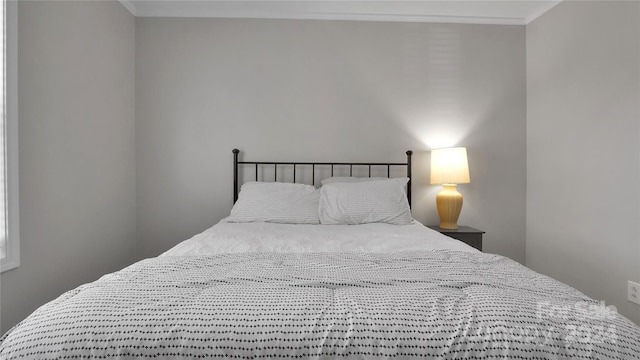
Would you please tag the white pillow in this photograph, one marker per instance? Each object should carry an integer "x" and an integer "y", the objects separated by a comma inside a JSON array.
[
  {"x": 382, "y": 201},
  {"x": 276, "y": 202},
  {"x": 350, "y": 179}
]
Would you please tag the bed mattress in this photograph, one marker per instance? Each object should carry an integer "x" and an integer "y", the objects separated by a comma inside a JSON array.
[{"x": 228, "y": 237}]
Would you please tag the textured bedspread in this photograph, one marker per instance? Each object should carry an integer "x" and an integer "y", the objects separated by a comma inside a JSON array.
[{"x": 447, "y": 304}]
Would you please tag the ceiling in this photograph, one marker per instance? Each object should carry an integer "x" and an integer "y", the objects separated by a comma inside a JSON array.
[{"x": 510, "y": 12}]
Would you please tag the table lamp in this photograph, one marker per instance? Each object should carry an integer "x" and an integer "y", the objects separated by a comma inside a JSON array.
[{"x": 449, "y": 167}]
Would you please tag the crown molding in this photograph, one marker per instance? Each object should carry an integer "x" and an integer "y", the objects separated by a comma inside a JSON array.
[
  {"x": 541, "y": 11},
  {"x": 129, "y": 6},
  {"x": 316, "y": 11},
  {"x": 359, "y": 17}
]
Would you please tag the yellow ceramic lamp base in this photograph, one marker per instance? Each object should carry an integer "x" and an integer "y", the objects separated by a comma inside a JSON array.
[{"x": 449, "y": 204}]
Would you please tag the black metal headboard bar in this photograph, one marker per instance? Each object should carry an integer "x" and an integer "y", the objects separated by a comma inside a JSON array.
[{"x": 313, "y": 165}]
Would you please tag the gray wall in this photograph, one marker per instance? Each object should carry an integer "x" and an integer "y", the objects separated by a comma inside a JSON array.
[
  {"x": 77, "y": 161},
  {"x": 314, "y": 90},
  {"x": 583, "y": 155},
  {"x": 325, "y": 90}
]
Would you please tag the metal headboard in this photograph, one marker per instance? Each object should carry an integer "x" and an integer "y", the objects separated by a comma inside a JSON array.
[{"x": 236, "y": 163}]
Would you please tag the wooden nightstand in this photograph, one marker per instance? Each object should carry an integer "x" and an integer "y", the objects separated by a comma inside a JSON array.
[{"x": 466, "y": 234}]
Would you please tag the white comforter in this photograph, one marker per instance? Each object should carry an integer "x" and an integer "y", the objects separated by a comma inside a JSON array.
[
  {"x": 291, "y": 303},
  {"x": 226, "y": 237}
]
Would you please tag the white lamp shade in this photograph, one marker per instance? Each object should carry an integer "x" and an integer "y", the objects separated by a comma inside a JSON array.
[{"x": 449, "y": 166}]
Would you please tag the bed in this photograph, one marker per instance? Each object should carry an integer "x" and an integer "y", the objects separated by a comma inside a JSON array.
[{"x": 339, "y": 272}]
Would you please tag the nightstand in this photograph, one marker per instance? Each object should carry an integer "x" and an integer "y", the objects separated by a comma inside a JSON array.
[{"x": 466, "y": 234}]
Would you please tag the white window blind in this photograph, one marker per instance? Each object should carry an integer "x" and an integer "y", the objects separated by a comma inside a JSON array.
[
  {"x": 3, "y": 169},
  {"x": 9, "y": 222}
]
